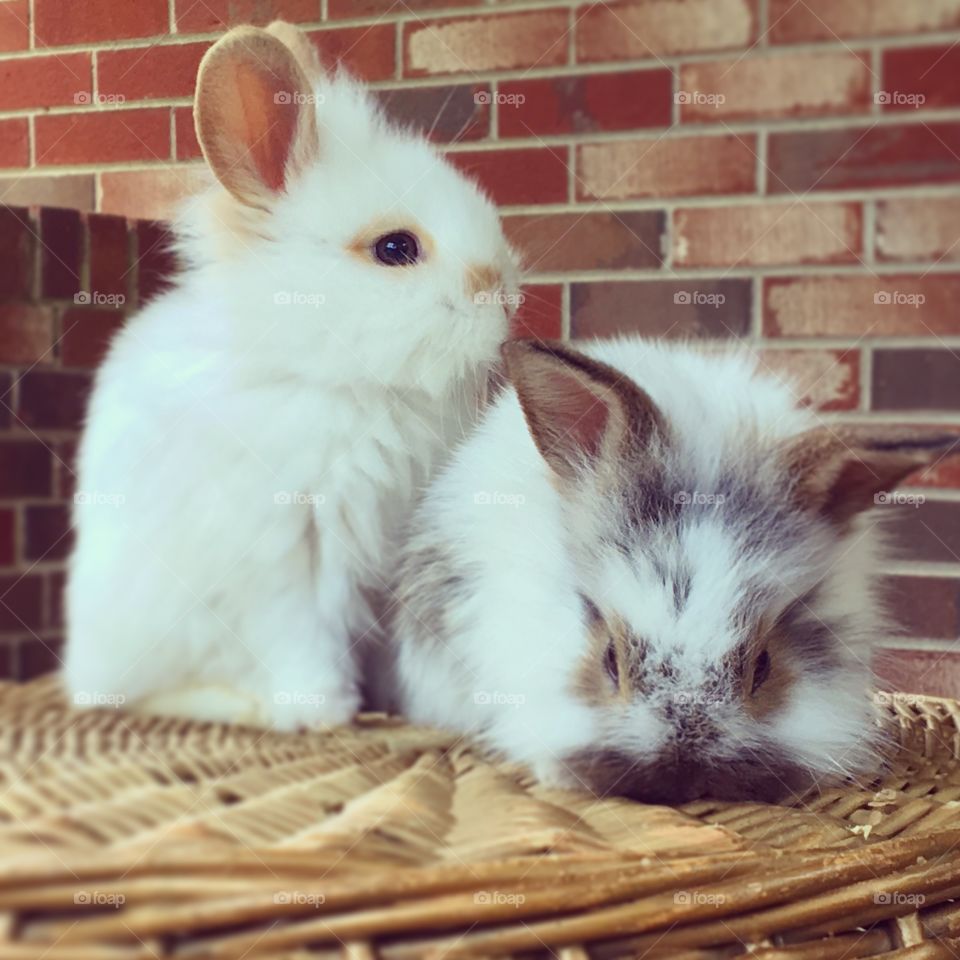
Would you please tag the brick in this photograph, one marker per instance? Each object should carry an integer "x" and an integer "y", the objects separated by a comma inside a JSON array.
[
  {"x": 6, "y": 399},
  {"x": 338, "y": 9},
  {"x": 8, "y": 538},
  {"x": 29, "y": 82},
  {"x": 924, "y": 672},
  {"x": 38, "y": 656},
  {"x": 667, "y": 308},
  {"x": 156, "y": 262},
  {"x": 14, "y": 25},
  {"x": 920, "y": 77},
  {"x": 64, "y": 472},
  {"x": 72, "y": 190},
  {"x": 212, "y": 15},
  {"x": 858, "y": 158},
  {"x": 793, "y": 85},
  {"x": 652, "y": 28},
  {"x": 25, "y": 469},
  {"x": 109, "y": 255},
  {"x": 53, "y": 400},
  {"x": 681, "y": 166},
  {"x": 146, "y": 73},
  {"x": 541, "y": 312},
  {"x": 792, "y": 22},
  {"x": 855, "y": 306},
  {"x": 14, "y": 141},
  {"x": 47, "y": 532},
  {"x": 823, "y": 379},
  {"x": 109, "y": 136},
  {"x": 928, "y": 532},
  {"x": 916, "y": 379},
  {"x": 944, "y": 473},
  {"x": 151, "y": 193},
  {"x": 591, "y": 241},
  {"x": 919, "y": 228},
  {"x": 493, "y": 42},
  {"x": 927, "y": 607},
  {"x": 86, "y": 335},
  {"x": 56, "y": 582},
  {"x": 93, "y": 21},
  {"x": 781, "y": 233},
  {"x": 61, "y": 252},
  {"x": 26, "y": 333},
  {"x": 552, "y": 106},
  {"x": 529, "y": 175},
  {"x": 445, "y": 113},
  {"x": 188, "y": 147},
  {"x": 21, "y": 602},
  {"x": 17, "y": 240},
  {"x": 368, "y": 52}
]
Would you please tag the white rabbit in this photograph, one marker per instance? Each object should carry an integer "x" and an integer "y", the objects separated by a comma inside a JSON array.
[
  {"x": 258, "y": 433},
  {"x": 650, "y": 572}
]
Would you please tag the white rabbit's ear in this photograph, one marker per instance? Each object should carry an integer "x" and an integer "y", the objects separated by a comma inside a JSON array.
[
  {"x": 839, "y": 472},
  {"x": 255, "y": 115},
  {"x": 299, "y": 45},
  {"x": 581, "y": 412}
]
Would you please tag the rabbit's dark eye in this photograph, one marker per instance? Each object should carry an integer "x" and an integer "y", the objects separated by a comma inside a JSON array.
[
  {"x": 398, "y": 249},
  {"x": 611, "y": 663},
  {"x": 761, "y": 670}
]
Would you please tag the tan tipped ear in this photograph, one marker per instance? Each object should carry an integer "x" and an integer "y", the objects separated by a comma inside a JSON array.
[
  {"x": 299, "y": 45},
  {"x": 580, "y": 412},
  {"x": 840, "y": 472},
  {"x": 255, "y": 115}
]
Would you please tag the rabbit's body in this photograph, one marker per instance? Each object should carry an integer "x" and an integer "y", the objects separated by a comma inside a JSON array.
[
  {"x": 682, "y": 545},
  {"x": 256, "y": 435}
]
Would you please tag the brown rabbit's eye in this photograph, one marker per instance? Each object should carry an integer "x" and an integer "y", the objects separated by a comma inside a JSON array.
[
  {"x": 761, "y": 670},
  {"x": 610, "y": 662},
  {"x": 398, "y": 249}
]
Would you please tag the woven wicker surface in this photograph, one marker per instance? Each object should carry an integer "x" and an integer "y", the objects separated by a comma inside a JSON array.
[{"x": 129, "y": 837}]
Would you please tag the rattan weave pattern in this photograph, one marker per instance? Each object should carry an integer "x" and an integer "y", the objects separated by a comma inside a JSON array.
[{"x": 131, "y": 837}]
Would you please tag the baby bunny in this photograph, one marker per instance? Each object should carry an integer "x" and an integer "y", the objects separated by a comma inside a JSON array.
[
  {"x": 257, "y": 434},
  {"x": 651, "y": 573}
]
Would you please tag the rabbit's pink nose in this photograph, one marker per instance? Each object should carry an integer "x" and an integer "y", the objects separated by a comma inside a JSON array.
[{"x": 483, "y": 279}]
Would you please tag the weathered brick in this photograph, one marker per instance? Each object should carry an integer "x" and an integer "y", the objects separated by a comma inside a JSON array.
[
  {"x": 8, "y": 538},
  {"x": 14, "y": 141},
  {"x": 37, "y": 656},
  {"x": 188, "y": 147},
  {"x": 502, "y": 41},
  {"x": 541, "y": 313},
  {"x": 21, "y": 602},
  {"x": 25, "y": 469},
  {"x": 927, "y": 607},
  {"x": 924, "y": 672},
  {"x": 862, "y": 305},
  {"x": 75, "y": 191},
  {"x": 47, "y": 532},
  {"x": 109, "y": 136},
  {"x": 916, "y": 379},
  {"x": 149, "y": 193},
  {"x": 858, "y": 158},
  {"x": 793, "y": 85},
  {"x": 86, "y": 334},
  {"x": 674, "y": 166},
  {"x": 591, "y": 241},
  {"x": 552, "y": 106},
  {"x": 667, "y": 308},
  {"x": 919, "y": 228},
  {"x": 61, "y": 252},
  {"x": 6, "y": 399},
  {"x": 91, "y": 21},
  {"x": 824, "y": 379},
  {"x": 921, "y": 77},
  {"x": 53, "y": 399},
  {"x": 529, "y": 175},
  {"x": 792, "y": 22},
  {"x": 339, "y": 9},
  {"x": 369, "y": 51},
  {"x": 651, "y": 28},
  {"x": 27, "y": 82},
  {"x": 17, "y": 239},
  {"x": 446, "y": 113},
  {"x": 14, "y": 25},
  {"x": 56, "y": 581},
  {"x": 109, "y": 254},
  {"x": 145, "y": 73},
  {"x": 929, "y": 531},
  {"x": 212, "y": 15},
  {"x": 26, "y": 333}
]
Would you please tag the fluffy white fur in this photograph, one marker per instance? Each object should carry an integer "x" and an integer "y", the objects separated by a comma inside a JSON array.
[
  {"x": 492, "y": 629},
  {"x": 258, "y": 433}
]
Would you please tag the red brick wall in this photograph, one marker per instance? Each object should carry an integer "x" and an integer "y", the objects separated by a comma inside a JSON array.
[{"x": 785, "y": 170}]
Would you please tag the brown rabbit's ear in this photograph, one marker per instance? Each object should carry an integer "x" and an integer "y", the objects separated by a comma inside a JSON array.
[
  {"x": 254, "y": 114},
  {"x": 840, "y": 472},
  {"x": 299, "y": 45},
  {"x": 580, "y": 411}
]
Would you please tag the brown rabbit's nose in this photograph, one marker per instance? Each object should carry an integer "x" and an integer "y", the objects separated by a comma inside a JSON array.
[{"x": 483, "y": 280}]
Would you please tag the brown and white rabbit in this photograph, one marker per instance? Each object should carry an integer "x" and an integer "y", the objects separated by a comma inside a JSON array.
[
  {"x": 652, "y": 573},
  {"x": 257, "y": 434}
]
